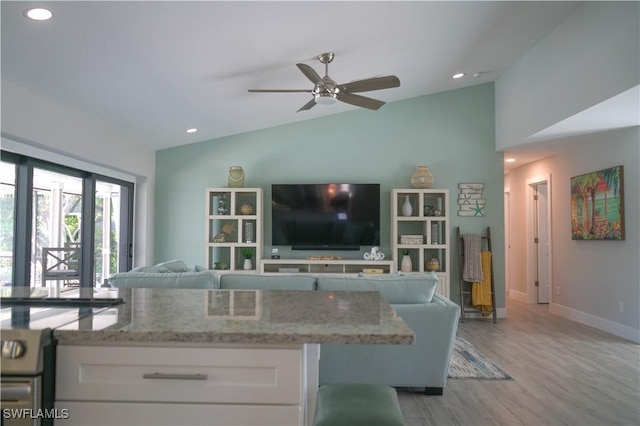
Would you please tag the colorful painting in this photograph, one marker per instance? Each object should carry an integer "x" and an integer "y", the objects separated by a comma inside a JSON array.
[{"x": 597, "y": 205}]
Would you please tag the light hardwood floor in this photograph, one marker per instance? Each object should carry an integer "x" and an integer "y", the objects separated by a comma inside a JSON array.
[{"x": 565, "y": 374}]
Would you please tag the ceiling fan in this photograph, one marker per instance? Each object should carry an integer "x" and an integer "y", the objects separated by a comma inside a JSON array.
[{"x": 327, "y": 91}]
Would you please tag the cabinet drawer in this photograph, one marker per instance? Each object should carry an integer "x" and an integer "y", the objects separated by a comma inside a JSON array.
[
  {"x": 172, "y": 374},
  {"x": 138, "y": 414}
]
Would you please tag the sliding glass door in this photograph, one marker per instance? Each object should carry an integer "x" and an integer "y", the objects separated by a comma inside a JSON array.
[
  {"x": 55, "y": 230},
  {"x": 112, "y": 230},
  {"x": 62, "y": 227},
  {"x": 7, "y": 209}
]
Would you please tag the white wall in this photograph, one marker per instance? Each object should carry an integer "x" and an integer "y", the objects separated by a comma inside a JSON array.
[
  {"x": 594, "y": 276},
  {"x": 34, "y": 126},
  {"x": 590, "y": 57}
]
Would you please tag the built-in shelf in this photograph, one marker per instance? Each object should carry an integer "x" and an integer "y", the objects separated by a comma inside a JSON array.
[
  {"x": 306, "y": 266},
  {"x": 421, "y": 230},
  {"x": 233, "y": 223}
]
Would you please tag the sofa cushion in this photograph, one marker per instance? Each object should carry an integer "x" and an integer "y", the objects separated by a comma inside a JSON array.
[
  {"x": 182, "y": 280},
  {"x": 396, "y": 289},
  {"x": 175, "y": 265},
  {"x": 152, "y": 269},
  {"x": 267, "y": 282}
]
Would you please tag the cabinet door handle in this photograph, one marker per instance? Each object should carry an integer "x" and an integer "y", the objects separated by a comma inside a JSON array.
[{"x": 174, "y": 376}]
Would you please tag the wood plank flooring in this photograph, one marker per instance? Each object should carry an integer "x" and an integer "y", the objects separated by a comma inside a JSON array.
[{"x": 565, "y": 374}]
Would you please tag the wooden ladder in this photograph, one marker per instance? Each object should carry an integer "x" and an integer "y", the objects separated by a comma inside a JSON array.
[{"x": 466, "y": 286}]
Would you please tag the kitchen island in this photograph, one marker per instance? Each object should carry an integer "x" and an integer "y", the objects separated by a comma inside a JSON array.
[{"x": 218, "y": 357}]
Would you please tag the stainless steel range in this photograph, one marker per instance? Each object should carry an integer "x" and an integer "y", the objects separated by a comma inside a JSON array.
[{"x": 28, "y": 318}]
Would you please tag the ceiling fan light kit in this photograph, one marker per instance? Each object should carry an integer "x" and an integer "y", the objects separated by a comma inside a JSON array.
[{"x": 326, "y": 91}]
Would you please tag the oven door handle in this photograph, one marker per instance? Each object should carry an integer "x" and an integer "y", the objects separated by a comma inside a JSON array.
[
  {"x": 15, "y": 393},
  {"x": 174, "y": 376}
]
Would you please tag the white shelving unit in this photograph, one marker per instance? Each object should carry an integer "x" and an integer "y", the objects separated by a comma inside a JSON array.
[
  {"x": 232, "y": 226},
  {"x": 306, "y": 266},
  {"x": 426, "y": 228}
]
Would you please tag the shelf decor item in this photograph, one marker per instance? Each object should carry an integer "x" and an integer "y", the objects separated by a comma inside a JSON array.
[
  {"x": 422, "y": 178},
  {"x": 246, "y": 208},
  {"x": 433, "y": 264},
  {"x": 411, "y": 239},
  {"x": 249, "y": 232},
  {"x": 247, "y": 253},
  {"x": 405, "y": 264},
  {"x": 236, "y": 177},
  {"x": 375, "y": 254},
  {"x": 407, "y": 208},
  {"x": 222, "y": 205},
  {"x": 435, "y": 233}
]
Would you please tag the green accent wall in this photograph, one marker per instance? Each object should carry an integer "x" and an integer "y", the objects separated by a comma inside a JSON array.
[{"x": 452, "y": 132}]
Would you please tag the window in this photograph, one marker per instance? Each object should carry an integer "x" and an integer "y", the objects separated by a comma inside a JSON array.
[{"x": 46, "y": 240}]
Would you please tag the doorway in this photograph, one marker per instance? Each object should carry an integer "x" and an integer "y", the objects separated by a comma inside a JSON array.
[{"x": 539, "y": 240}]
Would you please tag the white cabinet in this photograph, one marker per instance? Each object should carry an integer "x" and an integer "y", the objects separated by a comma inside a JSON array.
[
  {"x": 420, "y": 230},
  {"x": 129, "y": 385},
  {"x": 306, "y": 266},
  {"x": 233, "y": 225}
]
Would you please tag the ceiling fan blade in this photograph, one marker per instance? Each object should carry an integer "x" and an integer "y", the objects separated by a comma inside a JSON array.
[
  {"x": 308, "y": 105},
  {"x": 360, "y": 101},
  {"x": 368, "y": 84},
  {"x": 310, "y": 73},
  {"x": 279, "y": 90}
]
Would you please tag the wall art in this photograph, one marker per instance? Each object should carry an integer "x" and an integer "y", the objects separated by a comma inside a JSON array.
[
  {"x": 471, "y": 201},
  {"x": 597, "y": 205}
]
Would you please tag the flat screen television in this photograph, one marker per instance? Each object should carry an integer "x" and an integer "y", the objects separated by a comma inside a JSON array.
[{"x": 325, "y": 216}]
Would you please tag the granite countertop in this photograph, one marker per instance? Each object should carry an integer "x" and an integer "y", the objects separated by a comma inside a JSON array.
[{"x": 242, "y": 316}]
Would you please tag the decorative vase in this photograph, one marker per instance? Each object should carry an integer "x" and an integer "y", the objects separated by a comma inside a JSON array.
[
  {"x": 433, "y": 264},
  {"x": 247, "y": 264},
  {"x": 407, "y": 209},
  {"x": 236, "y": 177},
  {"x": 422, "y": 178},
  {"x": 405, "y": 265},
  {"x": 246, "y": 208},
  {"x": 249, "y": 232}
]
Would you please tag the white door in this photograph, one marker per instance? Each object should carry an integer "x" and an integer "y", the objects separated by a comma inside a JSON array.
[{"x": 542, "y": 252}]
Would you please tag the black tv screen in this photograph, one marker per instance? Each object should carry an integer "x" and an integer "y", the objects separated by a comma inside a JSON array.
[{"x": 329, "y": 216}]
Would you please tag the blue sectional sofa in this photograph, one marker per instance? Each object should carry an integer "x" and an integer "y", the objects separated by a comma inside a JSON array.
[{"x": 433, "y": 318}]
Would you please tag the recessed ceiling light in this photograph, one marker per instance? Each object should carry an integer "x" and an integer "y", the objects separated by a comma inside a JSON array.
[
  {"x": 38, "y": 14},
  {"x": 509, "y": 160},
  {"x": 192, "y": 130},
  {"x": 458, "y": 75}
]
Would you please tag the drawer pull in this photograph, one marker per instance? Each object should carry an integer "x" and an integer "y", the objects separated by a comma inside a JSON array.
[{"x": 174, "y": 376}]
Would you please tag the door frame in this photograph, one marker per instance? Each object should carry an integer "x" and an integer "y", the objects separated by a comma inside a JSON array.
[
  {"x": 531, "y": 247},
  {"x": 507, "y": 241}
]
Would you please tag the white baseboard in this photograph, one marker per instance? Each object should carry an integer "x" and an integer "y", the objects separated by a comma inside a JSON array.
[
  {"x": 614, "y": 328},
  {"x": 519, "y": 296}
]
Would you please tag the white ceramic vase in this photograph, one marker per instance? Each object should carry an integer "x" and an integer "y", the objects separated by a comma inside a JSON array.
[
  {"x": 247, "y": 264},
  {"x": 407, "y": 209},
  {"x": 405, "y": 265}
]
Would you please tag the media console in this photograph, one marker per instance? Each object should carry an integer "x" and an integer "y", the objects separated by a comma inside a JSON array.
[{"x": 344, "y": 266}]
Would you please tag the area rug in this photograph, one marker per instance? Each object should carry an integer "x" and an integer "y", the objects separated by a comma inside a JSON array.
[{"x": 468, "y": 363}]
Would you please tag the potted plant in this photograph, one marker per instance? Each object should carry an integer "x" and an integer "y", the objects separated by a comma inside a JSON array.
[
  {"x": 247, "y": 253},
  {"x": 405, "y": 264}
]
